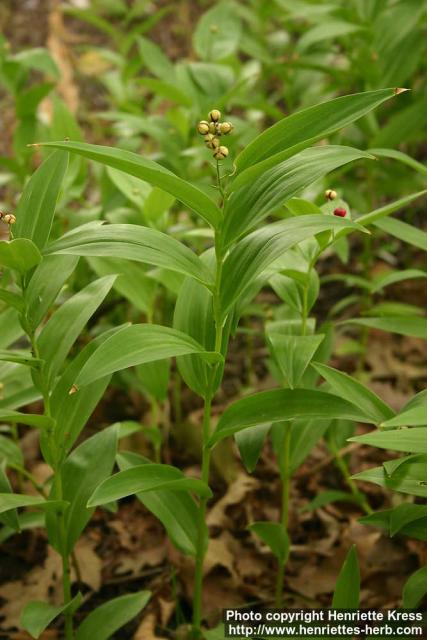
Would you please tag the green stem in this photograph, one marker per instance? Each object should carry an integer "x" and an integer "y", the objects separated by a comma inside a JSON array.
[
  {"x": 304, "y": 311},
  {"x": 66, "y": 577},
  {"x": 342, "y": 466},
  {"x": 66, "y": 580},
  {"x": 37, "y": 486},
  {"x": 19, "y": 471},
  {"x": 286, "y": 485},
  {"x": 278, "y": 598},
  {"x": 365, "y": 304},
  {"x": 155, "y": 425},
  {"x": 58, "y": 489},
  {"x": 176, "y": 398},
  {"x": 202, "y": 541}
]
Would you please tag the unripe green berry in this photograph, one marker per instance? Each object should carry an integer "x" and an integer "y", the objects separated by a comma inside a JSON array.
[
  {"x": 214, "y": 115},
  {"x": 220, "y": 153},
  {"x": 211, "y": 141},
  {"x": 226, "y": 128},
  {"x": 203, "y": 127}
]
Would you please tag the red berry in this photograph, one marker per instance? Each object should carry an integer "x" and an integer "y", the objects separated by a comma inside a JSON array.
[{"x": 339, "y": 211}]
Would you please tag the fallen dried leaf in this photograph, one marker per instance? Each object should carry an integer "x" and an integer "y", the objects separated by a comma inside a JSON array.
[
  {"x": 41, "y": 583},
  {"x": 236, "y": 493}
]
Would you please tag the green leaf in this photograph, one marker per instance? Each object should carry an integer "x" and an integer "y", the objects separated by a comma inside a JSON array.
[
  {"x": 415, "y": 528},
  {"x": 71, "y": 411},
  {"x": 36, "y": 208},
  {"x": 408, "y": 440},
  {"x": 21, "y": 356},
  {"x": 355, "y": 392},
  {"x": 10, "y": 456},
  {"x": 391, "y": 466},
  {"x": 265, "y": 194},
  {"x": 275, "y": 536},
  {"x": 154, "y": 377},
  {"x": 10, "y": 518},
  {"x": 414, "y": 327},
  {"x": 132, "y": 242},
  {"x": 176, "y": 510},
  {"x": 217, "y": 33},
  {"x": 347, "y": 588},
  {"x": 12, "y": 299},
  {"x": 375, "y": 216},
  {"x": 402, "y": 127},
  {"x": 155, "y": 60},
  {"x": 328, "y": 30},
  {"x": 132, "y": 281},
  {"x": 396, "y": 276},
  {"x": 27, "y": 520},
  {"x": 39, "y": 59},
  {"x": 280, "y": 405},
  {"x": 106, "y": 619},
  {"x": 146, "y": 477},
  {"x": 293, "y": 354},
  {"x": 11, "y": 328},
  {"x": 20, "y": 254},
  {"x": 392, "y": 309},
  {"x": 409, "y": 477},
  {"x": 150, "y": 171},
  {"x": 328, "y": 497},
  {"x": 400, "y": 157},
  {"x": 88, "y": 465},
  {"x": 10, "y": 501},
  {"x": 45, "y": 285},
  {"x": 250, "y": 442},
  {"x": 172, "y": 93},
  {"x": 65, "y": 325},
  {"x": 305, "y": 127},
  {"x": 138, "y": 344},
  {"x": 305, "y": 434},
  {"x": 31, "y": 419},
  {"x": 257, "y": 252},
  {"x": 215, "y": 634},
  {"x": 415, "y": 588},
  {"x": 404, "y": 231},
  {"x": 404, "y": 514},
  {"x": 194, "y": 316},
  {"x": 413, "y": 414},
  {"x": 37, "y": 616}
]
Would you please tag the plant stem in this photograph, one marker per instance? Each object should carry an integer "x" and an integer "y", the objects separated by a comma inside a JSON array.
[
  {"x": 304, "y": 311},
  {"x": 286, "y": 484},
  {"x": 66, "y": 581},
  {"x": 58, "y": 490},
  {"x": 66, "y": 586},
  {"x": 155, "y": 424},
  {"x": 202, "y": 538},
  {"x": 202, "y": 541},
  {"x": 284, "y": 468},
  {"x": 342, "y": 466}
]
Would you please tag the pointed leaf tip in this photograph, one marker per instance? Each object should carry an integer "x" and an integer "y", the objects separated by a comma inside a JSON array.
[{"x": 399, "y": 90}]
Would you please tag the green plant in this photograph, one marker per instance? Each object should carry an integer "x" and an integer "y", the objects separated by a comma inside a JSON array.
[
  {"x": 218, "y": 285},
  {"x": 246, "y": 255},
  {"x": 32, "y": 282}
]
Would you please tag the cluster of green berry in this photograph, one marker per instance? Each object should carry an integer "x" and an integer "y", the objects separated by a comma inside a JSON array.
[
  {"x": 212, "y": 131},
  {"x": 8, "y": 218}
]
